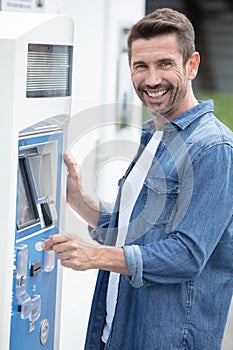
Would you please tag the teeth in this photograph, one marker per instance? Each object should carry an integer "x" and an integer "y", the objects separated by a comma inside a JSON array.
[{"x": 156, "y": 94}]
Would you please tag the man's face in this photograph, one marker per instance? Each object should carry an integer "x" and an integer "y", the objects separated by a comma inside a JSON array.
[{"x": 159, "y": 77}]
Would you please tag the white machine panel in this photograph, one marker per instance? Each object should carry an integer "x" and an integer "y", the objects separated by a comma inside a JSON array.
[{"x": 35, "y": 98}]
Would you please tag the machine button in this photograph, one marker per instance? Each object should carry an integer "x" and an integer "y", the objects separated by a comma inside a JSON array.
[{"x": 38, "y": 246}]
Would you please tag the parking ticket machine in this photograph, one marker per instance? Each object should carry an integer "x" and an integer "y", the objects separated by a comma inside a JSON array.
[
  {"x": 35, "y": 99},
  {"x": 34, "y": 291}
]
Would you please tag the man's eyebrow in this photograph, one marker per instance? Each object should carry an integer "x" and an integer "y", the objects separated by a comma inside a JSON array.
[
  {"x": 165, "y": 59},
  {"x": 161, "y": 60},
  {"x": 138, "y": 62}
]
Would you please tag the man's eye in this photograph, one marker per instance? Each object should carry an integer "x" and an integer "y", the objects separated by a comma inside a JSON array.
[
  {"x": 166, "y": 64},
  {"x": 140, "y": 66}
]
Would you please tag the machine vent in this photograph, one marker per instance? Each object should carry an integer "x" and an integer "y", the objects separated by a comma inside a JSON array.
[{"x": 49, "y": 70}]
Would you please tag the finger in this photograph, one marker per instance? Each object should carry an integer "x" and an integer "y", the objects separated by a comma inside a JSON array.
[
  {"x": 71, "y": 163},
  {"x": 73, "y": 264},
  {"x": 66, "y": 248},
  {"x": 53, "y": 240},
  {"x": 67, "y": 263}
]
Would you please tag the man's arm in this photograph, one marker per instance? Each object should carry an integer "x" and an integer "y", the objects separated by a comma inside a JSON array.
[
  {"x": 79, "y": 255},
  {"x": 85, "y": 206}
]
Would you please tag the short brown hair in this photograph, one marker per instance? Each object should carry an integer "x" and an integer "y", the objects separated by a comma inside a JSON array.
[{"x": 165, "y": 21}]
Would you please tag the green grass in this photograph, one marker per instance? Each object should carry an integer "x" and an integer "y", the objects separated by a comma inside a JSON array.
[{"x": 223, "y": 103}]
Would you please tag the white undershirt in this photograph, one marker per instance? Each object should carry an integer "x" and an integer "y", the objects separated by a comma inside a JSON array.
[{"x": 130, "y": 192}]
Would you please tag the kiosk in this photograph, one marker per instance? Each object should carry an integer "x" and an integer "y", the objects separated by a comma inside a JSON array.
[{"x": 35, "y": 98}]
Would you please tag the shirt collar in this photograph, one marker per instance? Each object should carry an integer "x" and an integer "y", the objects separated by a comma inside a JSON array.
[{"x": 186, "y": 118}]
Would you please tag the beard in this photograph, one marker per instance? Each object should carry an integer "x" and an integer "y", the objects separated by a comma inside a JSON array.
[
  {"x": 155, "y": 112},
  {"x": 176, "y": 95}
]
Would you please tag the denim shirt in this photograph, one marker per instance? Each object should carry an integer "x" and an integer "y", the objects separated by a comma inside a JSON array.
[{"x": 179, "y": 247}]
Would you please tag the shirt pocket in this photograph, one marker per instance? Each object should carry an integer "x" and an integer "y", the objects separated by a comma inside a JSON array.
[{"x": 159, "y": 197}]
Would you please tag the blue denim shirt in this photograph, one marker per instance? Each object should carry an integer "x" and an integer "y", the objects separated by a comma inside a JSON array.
[{"x": 179, "y": 247}]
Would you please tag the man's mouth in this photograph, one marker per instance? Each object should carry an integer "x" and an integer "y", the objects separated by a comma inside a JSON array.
[{"x": 156, "y": 94}]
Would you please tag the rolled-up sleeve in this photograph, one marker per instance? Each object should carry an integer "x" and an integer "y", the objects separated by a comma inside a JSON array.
[{"x": 134, "y": 263}]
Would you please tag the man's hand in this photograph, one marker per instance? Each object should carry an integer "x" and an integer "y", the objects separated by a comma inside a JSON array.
[
  {"x": 79, "y": 255},
  {"x": 73, "y": 178},
  {"x": 85, "y": 206}
]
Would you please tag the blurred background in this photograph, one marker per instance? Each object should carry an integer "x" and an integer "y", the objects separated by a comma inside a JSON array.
[{"x": 213, "y": 23}]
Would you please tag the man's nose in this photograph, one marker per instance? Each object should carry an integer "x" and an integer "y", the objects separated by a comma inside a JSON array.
[{"x": 153, "y": 77}]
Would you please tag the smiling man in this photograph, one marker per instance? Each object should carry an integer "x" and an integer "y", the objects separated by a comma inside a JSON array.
[
  {"x": 162, "y": 68},
  {"x": 160, "y": 76},
  {"x": 165, "y": 259}
]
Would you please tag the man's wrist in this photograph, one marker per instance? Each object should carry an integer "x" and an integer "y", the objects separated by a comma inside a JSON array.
[{"x": 110, "y": 259}]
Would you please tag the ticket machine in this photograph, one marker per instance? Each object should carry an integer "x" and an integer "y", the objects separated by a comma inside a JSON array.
[{"x": 35, "y": 98}]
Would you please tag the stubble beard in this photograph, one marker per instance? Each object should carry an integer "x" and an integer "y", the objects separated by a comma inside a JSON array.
[
  {"x": 175, "y": 100},
  {"x": 160, "y": 113},
  {"x": 153, "y": 108}
]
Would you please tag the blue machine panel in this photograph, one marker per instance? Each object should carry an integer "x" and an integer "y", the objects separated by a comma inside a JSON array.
[{"x": 35, "y": 271}]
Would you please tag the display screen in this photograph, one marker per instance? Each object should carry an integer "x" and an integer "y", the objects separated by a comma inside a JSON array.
[{"x": 27, "y": 213}]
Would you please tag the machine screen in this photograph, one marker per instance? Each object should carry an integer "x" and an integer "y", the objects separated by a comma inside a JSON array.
[{"x": 27, "y": 213}]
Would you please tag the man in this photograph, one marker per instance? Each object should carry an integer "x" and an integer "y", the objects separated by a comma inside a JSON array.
[{"x": 168, "y": 246}]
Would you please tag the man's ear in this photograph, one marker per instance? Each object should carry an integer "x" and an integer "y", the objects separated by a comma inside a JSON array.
[{"x": 193, "y": 64}]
